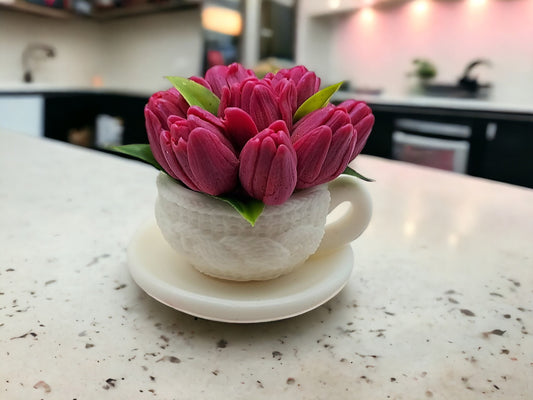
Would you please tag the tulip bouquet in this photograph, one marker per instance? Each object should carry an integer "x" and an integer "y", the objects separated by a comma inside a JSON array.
[{"x": 252, "y": 142}]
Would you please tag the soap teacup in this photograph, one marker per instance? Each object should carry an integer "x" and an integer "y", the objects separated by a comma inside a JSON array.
[{"x": 217, "y": 241}]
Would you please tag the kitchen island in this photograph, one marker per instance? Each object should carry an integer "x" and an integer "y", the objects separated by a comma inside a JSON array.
[{"x": 439, "y": 304}]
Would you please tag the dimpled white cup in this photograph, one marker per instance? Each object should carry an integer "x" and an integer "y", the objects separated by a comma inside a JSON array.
[{"x": 219, "y": 242}]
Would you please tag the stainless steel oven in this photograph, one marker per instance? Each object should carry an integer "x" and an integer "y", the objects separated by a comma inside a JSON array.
[{"x": 433, "y": 144}]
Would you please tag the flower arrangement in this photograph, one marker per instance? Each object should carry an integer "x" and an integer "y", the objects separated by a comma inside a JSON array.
[{"x": 252, "y": 142}]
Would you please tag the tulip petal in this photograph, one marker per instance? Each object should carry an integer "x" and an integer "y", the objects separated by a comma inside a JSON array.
[
  {"x": 340, "y": 150},
  {"x": 171, "y": 153},
  {"x": 363, "y": 128},
  {"x": 268, "y": 166},
  {"x": 267, "y": 151},
  {"x": 356, "y": 109},
  {"x": 311, "y": 121},
  {"x": 225, "y": 101},
  {"x": 237, "y": 73},
  {"x": 278, "y": 126},
  {"x": 240, "y": 127},
  {"x": 263, "y": 106},
  {"x": 214, "y": 166},
  {"x": 362, "y": 120},
  {"x": 308, "y": 84},
  {"x": 154, "y": 129},
  {"x": 247, "y": 160},
  {"x": 201, "y": 81},
  {"x": 203, "y": 118},
  {"x": 311, "y": 151},
  {"x": 287, "y": 101},
  {"x": 216, "y": 76},
  {"x": 165, "y": 103},
  {"x": 220, "y": 76},
  {"x": 282, "y": 177},
  {"x": 199, "y": 118},
  {"x": 338, "y": 119},
  {"x": 244, "y": 93},
  {"x": 174, "y": 119},
  {"x": 297, "y": 72},
  {"x": 180, "y": 149}
]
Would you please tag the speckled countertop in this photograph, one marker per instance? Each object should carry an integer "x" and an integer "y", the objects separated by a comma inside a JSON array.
[{"x": 440, "y": 304}]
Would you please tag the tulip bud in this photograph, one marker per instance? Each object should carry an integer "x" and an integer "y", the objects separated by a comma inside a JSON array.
[
  {"x": 176, "y": 160},
  {"x": 287, "y": 101},
  {"x": 324, "y": 141},
  {"x": 213, "y": 164},
  {"x": 198, "y": 154},
  {"x": 166, "y": 103},
  {"x": 221, "y": 76},
  {"x": 154, "y": 130},
  {"x": 268, "y": 165},
  {"x": 259, "y": 100},
  {"x": 162, "y": 105},
  {"x": 362, "y": 119},
  {"x": 306, "y": 82}
]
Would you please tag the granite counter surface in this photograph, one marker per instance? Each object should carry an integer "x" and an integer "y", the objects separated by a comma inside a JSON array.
[{"x": 439, "y": 306}]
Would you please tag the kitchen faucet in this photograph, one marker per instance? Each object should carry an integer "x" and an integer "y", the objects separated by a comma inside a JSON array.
[
  {"x": 471, "y": 83},
  {"x": 34, "y": 52}
]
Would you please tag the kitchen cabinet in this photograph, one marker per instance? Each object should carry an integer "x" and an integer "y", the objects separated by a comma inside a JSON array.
[
  {"x": 508, "y": 155},
  {"x": 73, "y": 117},
  {"x": 22, "y": 114},
  {"x": 94, "y": 119},
  {"x": 501, "y": 143}
]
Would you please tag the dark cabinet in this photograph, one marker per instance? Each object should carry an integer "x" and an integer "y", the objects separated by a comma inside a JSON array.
[
  {"x": 501, "y": 143},
  {"x": 379, "y": 142},
  {"x": 72, "y": 117},
  {"x": 508, "y": 155}
]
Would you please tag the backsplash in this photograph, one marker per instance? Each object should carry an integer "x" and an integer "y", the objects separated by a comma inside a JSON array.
[
  {"x": 374, "y": 47},
  {"x": 131, "y": 54}
]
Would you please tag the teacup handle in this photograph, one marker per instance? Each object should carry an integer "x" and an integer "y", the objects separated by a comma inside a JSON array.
[{"x": 354, "y": 221}]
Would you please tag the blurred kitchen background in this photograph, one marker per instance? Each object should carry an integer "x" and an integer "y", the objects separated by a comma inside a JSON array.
[{"x": 450, "y": 81}]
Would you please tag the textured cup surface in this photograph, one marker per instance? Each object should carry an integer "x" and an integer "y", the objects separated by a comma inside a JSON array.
[{"x": 219, "y": 242}]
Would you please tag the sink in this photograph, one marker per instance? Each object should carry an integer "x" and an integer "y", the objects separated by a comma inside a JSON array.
[{"x": 455, "y": 91}]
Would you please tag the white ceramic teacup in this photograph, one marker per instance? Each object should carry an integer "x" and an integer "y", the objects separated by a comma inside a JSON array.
[{"x": 219, "y": 242}]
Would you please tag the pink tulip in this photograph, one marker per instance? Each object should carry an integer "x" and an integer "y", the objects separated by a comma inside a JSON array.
[
  {"x": 306, "y": 82},
  {"x": 198, "y": 154},
  {"x": 258, "y": 99},
  {"x": 166, "y": 103},
  {"x": 162, "y": 105},
  {"x": 221, "y": 76},
  {"x": 239, "y": 127},
  {"x": 324, "y": 141},
  {"x": 268, "y": 165},
  {"x": 362, "y": 120}
]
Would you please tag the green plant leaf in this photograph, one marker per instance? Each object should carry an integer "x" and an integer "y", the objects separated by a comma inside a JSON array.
[
  {"x": 250, "y": 209},
  {"x": 351, "y": 172},
  {"x": 140, "y": 151},
  {"x": 196, "y": 94},
  {"x": 319, "y": 100}
]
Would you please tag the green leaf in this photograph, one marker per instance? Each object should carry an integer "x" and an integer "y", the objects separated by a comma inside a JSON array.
[
  {"x": 250, "y": 209},
  {"x": 196, "y": 94},
  {"x": 351, "y": 172},
  {"x": 140, "y": 151},
  {"x": 319, "y": 100}
]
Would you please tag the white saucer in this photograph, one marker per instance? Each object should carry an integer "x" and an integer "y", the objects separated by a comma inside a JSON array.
[{"x": 169, "y": 278}]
